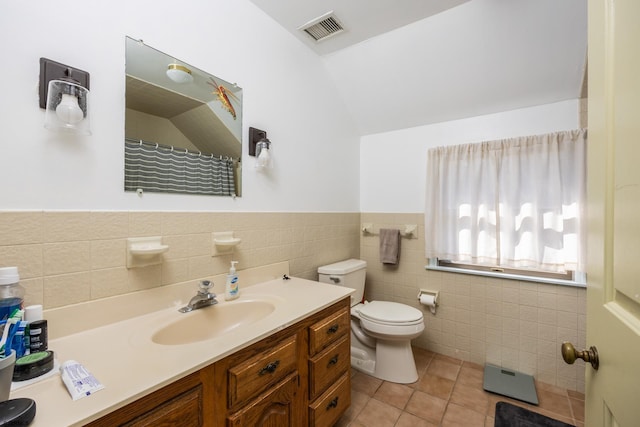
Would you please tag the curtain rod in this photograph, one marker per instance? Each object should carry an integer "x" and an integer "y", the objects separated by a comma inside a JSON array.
[{"x": 171, "y": 147}]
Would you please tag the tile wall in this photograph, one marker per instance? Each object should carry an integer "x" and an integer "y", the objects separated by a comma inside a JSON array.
[
  {"x": 517, "y": 325},
  {"x": 71, "y": 257}
]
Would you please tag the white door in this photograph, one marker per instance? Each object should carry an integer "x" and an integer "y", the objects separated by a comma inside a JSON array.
[{"x": 613, "y": 269}]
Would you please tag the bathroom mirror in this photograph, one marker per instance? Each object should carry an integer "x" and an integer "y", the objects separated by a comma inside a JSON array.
[{"x": 177, "y": 114}]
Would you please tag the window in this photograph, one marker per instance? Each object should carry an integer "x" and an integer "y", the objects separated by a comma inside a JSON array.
[{"x": 513, "y": 204}]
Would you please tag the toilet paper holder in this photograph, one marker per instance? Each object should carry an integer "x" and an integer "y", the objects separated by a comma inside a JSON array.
[{"x": 429, "y": 299}]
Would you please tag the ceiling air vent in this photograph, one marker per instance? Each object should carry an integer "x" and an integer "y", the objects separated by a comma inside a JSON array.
[{"x": 322, "y": 27}]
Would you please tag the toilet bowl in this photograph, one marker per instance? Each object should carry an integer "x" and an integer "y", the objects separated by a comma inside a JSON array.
[{"x": 381, "y": 331}]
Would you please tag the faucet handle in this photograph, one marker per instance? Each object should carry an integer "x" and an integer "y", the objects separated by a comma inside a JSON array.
[{"x": 205, "y": 285}]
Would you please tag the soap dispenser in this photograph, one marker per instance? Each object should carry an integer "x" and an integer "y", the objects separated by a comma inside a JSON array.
[{"x": 231, "y": 289}]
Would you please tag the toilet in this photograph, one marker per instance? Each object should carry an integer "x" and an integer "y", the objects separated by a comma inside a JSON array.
[{"x": 381, "y": 331}]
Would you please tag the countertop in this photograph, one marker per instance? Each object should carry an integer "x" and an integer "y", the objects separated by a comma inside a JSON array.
[{"x": 122, "y": 356}]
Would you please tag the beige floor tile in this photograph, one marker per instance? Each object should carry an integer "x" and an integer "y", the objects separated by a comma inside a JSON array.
[
  {"x": 444, "y": 369},
  {"x": 427, "y": 407},
  {"x": 378, "y": 414},
  {"x": 394, "y": 394},
  {"x": 555, "y": 403},
  {"x": 448, "y": 359},
  {"x": 435, "y": 386},
  {"x": 422, "y": 358},
  {"x": 365, "y": 383},
  {"x": 472, "y": 365},
  {"x": 448, "y": 393},
  {"x": 471, "y": 398},
  {"x": 471, "y": 376},
  {"x": 575, "y": 395},
  {"x": 577, "y": 409},
  {"x": 408, "y": 420},
  {"x": 358, "y": 402},
  {"x": 457, "y": 416}
]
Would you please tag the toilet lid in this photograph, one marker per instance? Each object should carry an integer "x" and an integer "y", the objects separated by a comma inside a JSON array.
[{"x": 390, "y": 312}]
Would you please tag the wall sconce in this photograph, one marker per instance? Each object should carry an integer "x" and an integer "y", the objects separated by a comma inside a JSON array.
[
  {"x": 260, "y": 147},
  {"x": 64, "y": 94}
]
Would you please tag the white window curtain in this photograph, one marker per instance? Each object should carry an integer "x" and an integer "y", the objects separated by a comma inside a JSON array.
[{"x": 517, "y": 202}]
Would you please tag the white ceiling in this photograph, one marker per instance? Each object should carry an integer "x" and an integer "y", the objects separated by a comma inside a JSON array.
[{"x": 406, "y": 63}]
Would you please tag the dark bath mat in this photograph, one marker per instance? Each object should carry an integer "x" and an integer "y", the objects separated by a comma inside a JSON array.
[{"x": 508, "y": 415}]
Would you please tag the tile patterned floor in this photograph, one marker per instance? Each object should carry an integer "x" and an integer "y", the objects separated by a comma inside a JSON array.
[{"x": 448, "y": 393}]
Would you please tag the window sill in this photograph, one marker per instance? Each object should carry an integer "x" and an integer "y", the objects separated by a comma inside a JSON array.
[{"x": 508, "y": 276}]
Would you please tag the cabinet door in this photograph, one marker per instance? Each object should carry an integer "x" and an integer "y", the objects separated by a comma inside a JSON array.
[
  {"x": 184, "y": 403},
  {"x": 274, "y": 408},
  {"x": 184, "y": 410}
]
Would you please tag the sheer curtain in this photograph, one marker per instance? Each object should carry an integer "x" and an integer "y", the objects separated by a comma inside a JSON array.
[{"x": 517, "y": 202}]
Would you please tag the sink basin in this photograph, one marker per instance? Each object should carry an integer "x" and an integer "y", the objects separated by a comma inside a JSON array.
[{"x": 211, "y": 322}]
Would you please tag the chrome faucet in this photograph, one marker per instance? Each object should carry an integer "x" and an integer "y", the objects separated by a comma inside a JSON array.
[{"x": 203, "y": 298}]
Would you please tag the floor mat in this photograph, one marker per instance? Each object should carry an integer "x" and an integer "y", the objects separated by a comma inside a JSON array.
[
  {"x": 510, "y": 383},
  {"x": 508, "y": 415}
]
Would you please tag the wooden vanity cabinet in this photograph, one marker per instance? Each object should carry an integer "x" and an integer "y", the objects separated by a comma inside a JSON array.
[
  {"x": 260, "y": 385},
  {"x": 329, "y": 367},
  {"x": 182, "y": 403},
  {"x": 299, "y": 376}
]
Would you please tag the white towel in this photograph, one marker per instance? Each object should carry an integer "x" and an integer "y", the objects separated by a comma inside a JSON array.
[{"x": 389, "y": 246}]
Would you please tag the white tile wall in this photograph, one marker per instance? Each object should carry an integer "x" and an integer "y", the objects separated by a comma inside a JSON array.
[{"x": 518, "y": 325}]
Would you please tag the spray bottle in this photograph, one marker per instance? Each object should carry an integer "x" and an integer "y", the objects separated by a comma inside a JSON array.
[{"x": 231, "y": 289}]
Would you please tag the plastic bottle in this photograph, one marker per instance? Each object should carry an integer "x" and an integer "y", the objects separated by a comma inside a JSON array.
[
  {"x": 232, "y": 290},
  {"x": 11, "y": 293},
  {"x": 37, "y": 328}
]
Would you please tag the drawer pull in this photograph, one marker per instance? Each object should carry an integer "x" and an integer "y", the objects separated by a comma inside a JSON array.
[
  {"x": 333, "y": 329},
  {"x": 270, "y": 368},
  {"x": 333, "y": 360},
  {"x": 333, "y": 403}
]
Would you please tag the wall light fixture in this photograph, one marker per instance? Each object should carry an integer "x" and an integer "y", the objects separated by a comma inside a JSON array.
[
  {"x": 64, "y": 94},
  {"x": 179, "y": 73},
  {"x": 260, "y": 147}
]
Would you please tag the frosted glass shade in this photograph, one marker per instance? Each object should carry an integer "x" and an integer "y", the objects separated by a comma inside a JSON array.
[
  {"x": 67, "y": 108},
  {"x": 263, "y": 156},
  {"x": 179, "y": 74}
]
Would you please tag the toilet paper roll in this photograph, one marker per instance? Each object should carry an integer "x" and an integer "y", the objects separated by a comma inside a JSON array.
[{"x": 428, "y": 300}]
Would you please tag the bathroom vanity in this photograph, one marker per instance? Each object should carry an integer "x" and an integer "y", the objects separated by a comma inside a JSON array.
[{"x": 291, "y": 367}]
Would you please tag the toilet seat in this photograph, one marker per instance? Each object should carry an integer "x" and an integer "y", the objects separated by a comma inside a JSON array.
[{"x": 389, "y": 313}]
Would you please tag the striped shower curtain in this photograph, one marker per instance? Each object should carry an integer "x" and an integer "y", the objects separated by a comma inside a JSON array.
[{"x": 159, "y": 168}]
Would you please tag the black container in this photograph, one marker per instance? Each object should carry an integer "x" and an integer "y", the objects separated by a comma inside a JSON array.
[
  {"x": 33, "y": 365},
  {"x": 38, "y": 336}
]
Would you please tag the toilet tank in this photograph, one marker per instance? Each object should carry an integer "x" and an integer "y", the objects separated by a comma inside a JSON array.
[{"x": 350, "y": 273}]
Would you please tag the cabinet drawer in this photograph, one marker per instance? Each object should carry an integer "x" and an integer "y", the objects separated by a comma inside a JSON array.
[
  {"x": 328, "y": 330},
  {"x": 276, "y": 407},
  {"x": 261, "y": 371},
  {"x": 326, "y": 410},
  {"x": 327, "y": 366}
]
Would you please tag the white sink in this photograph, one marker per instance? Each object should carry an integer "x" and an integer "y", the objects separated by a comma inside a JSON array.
[{"x": 211, "y": 322}]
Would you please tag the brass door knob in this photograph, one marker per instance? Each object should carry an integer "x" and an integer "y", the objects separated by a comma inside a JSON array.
[{"x": 570, "y": 354}]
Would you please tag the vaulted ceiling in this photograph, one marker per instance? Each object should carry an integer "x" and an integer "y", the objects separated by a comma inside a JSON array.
[{"x": 406, "y": 63}]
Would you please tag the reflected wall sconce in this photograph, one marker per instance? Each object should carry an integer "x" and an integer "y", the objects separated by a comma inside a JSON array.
[
  {"x": 179, "y": 73},
  {"x": 64, "y": 94},
  {"x": 260, "y": 147}
]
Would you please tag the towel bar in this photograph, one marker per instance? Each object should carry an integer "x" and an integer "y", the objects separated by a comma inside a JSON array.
[{"x": 409, "y": 231}]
